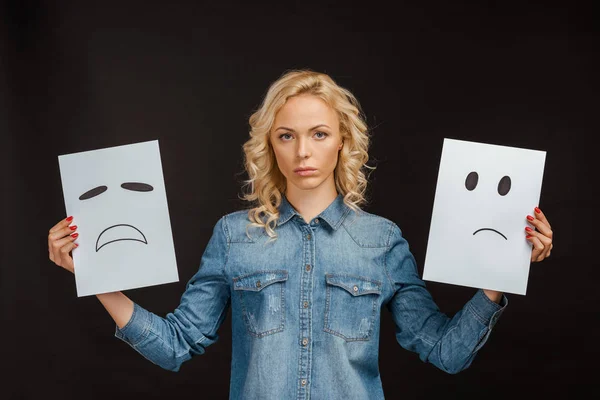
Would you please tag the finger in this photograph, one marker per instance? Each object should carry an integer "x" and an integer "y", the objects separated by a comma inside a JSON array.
[
  {"x": 66, "y": 259},
  {"x": 60, "y": 233},
  {"x": 57, "y": 245},
  {"x": 540, "y": 226},
  {"x": 546, "y": 241},
  {"x": 61, "y": 224},
  {"x": 537, "y": 247},
  {"x": 539, "y": 215}
]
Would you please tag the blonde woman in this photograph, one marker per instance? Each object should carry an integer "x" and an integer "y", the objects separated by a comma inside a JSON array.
[{"x": 304, "y": 270}]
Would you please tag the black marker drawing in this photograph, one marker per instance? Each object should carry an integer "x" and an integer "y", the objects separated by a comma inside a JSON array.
[
  {"x": 134, "y": 186},
  {"x": 503, "y": 189},
  {"x": 116, "y": 240},
  {"x": 489, "y": 229},
  {"x": 93, "y": 193}
]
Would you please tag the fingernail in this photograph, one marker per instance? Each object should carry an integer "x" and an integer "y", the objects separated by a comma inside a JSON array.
[
  {"x": 73, "y": 227},
  {"x": 528, "y": 229},
  {"x": 529, "y": 217},
  {"x": 74, "y": 235},
  {"x": 528, "y": 237},
  {"x": 537, "y": 210},
  {"x": 70, "y": 218}
]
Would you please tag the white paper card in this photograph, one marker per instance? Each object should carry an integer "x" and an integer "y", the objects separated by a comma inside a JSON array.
[
  {"x": 118, "y": 199},
  {"x": 477, "y": 235}
]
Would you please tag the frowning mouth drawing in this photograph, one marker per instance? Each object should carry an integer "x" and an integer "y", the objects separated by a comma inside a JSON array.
[
  {"x": 489, "y": 229},
  {"x": 119, "y": 232}
]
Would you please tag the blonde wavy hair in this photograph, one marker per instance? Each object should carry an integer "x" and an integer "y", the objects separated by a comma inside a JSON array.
[{"x": 266, "y": 182}]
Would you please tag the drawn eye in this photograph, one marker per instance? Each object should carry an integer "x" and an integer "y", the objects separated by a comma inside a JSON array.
[
  {"x": 471, "y": 181},
  {"x": 504, "y": 185},
  {"x": 137, "y": 186},
  {"x": 93, "y": 193}
]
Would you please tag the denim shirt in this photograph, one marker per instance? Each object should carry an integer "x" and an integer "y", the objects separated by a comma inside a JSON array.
[{"x": 306, "y": 308}]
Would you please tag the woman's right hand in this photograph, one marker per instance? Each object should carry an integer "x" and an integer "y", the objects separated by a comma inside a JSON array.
[{"x": 61, "y": 240}]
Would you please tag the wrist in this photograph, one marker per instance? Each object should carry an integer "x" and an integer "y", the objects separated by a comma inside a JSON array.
[{"x": 493, "y": 295}]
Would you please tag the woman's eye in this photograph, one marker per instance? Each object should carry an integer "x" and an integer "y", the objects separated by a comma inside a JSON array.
[
  {"x": 284, "y": 134},
  {"x": 322, "y": 133}
]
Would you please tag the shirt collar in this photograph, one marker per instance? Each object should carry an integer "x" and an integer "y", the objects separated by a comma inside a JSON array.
[{"x": 334, "y": 214}]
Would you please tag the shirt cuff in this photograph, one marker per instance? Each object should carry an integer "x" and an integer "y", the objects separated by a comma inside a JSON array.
[
  {"x": 485, "y": 310},
  {"x": 136, "y": 328}
]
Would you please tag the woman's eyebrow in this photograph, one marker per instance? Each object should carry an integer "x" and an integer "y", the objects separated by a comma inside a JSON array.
[{"x": 313, "y": 128}]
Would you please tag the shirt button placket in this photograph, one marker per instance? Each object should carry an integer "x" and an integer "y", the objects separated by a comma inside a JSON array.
[{"x": 305, "y": 325}]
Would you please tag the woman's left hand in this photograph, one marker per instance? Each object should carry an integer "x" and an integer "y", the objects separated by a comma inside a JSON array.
[{"x": 540, "y": 236}]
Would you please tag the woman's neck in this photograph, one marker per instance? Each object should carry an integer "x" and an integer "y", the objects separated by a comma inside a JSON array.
[{"x": 310, "y": 203}]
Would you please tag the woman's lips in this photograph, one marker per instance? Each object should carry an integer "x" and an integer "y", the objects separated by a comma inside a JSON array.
[{"x": 306, "y": 172}]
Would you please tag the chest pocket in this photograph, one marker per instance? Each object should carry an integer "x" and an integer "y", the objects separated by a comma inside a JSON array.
[
  {"x": 351, "y": 306},
  {"x": 262, "y": 299}
]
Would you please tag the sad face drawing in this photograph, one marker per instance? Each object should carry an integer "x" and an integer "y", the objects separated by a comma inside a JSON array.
[
  {"x": 118, "y": 232},
  {"x": 476, "y": 235},
  {"x": 118, "y": 199}
]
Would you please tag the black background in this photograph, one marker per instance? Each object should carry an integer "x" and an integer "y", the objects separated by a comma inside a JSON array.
[{"x": 77, "y": 76}]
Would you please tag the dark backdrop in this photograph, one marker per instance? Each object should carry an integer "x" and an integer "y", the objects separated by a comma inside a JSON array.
[{"x": 77, "y": 76}]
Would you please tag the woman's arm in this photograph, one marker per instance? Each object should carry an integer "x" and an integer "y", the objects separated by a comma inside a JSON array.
[
  {"x": 170, "y": 341},
  {"x": 450, "y": 343},
  {"x": 119, "y": 306}
]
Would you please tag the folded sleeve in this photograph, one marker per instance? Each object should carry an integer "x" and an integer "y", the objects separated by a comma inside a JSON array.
[
  {"x": 450, "y": 343},
  {"x": 193, "y": 325}
]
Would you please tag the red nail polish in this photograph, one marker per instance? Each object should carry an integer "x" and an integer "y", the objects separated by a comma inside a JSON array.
[
  {"x": 75, "y": 235},
  {"x": 529, "y": 217},
  {"x": 73, "y": 227},
  {"x": 528, "y": 237},
  {"x": 528, "y": 229},
  {"x": 537, "y": 210},
  {"x": 70, "y": 218}
]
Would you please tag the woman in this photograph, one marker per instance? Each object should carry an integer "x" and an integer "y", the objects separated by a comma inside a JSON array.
[{"x": 306, "y": 271}]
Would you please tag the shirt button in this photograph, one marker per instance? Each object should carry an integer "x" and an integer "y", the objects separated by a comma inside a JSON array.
[
  {"x": 316, "y": 220},
  {"x": 307, "y": 267},
  {"x": 303, "y": 382},
  {"x": 308, "y": 236},
  {"x": 355, "y": 288},
  {"x": 305, "y": 304},
  {"x": 257, "y": 283},
  {"x": 304, "y": 342}
]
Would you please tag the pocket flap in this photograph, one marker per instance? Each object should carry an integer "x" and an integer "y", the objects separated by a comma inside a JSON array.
[
  {"x": 355, "y": 285},
  {"x": 258, "y": 280}
]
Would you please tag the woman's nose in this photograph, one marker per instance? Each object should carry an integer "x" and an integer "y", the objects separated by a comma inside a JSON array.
[{"x": 303, "y": 148}]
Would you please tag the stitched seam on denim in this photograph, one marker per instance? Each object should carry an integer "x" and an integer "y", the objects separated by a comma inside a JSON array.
[
  {"x": 387, "y": 252},
  {"x": 425, "y": 339},
  {"x": 495, "y": 305},
  {"x": 341, "y": 220},
  {"x": 447, "y": 334},
  {"x": 145, "y": 331},
  {"x": 130, "y": 320},
  {"x": 351, "y": 290},
  {"x": 247, "y": 320},
  {"x": 479, "y": 318},
  {"x": 348, "y": 338},
  {"x": 362, "y": 245},
  {"x": 282, "y": 272},
  {"x": 485, "y": 333},
  {"x": 223, "y": 271}
]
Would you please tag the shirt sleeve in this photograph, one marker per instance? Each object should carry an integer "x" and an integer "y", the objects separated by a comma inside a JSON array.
[
  {"x": 193, "y": 325},
  {"x": 448, "y": 343}
]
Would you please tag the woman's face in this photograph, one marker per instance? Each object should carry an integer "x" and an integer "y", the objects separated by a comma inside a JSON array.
[{"x": 306, "y": 134}]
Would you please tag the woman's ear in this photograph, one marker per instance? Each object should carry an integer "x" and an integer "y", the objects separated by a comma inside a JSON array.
[{"x": 340, "y": 146}]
